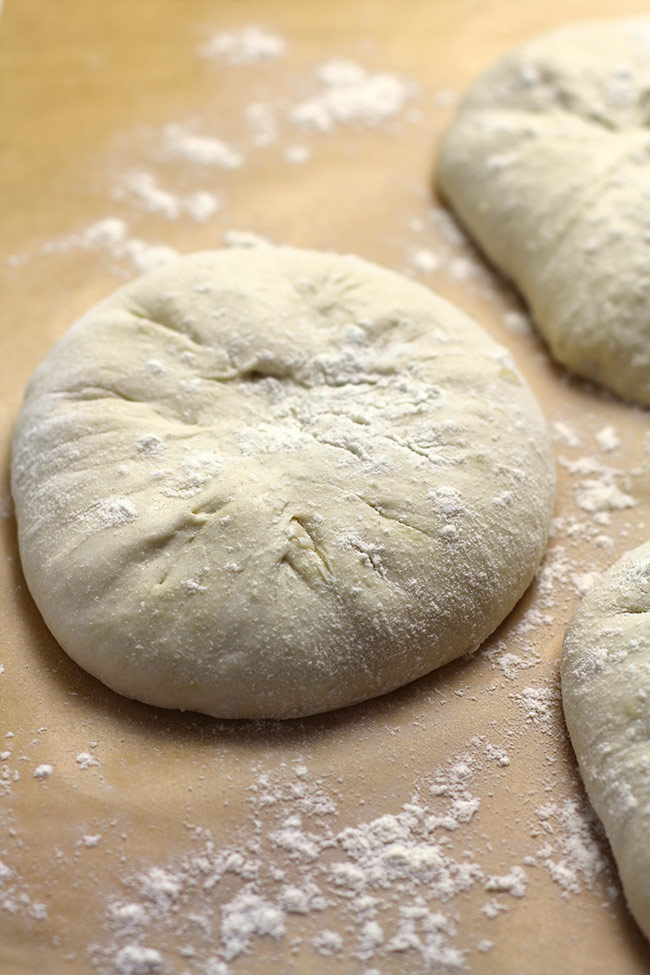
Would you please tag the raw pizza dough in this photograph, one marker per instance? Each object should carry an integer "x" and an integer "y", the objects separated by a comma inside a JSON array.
[
  {"x": 547, "y": 163},
  {"x": 606, "y": 697},
  {"x": 275, "y": 482}
]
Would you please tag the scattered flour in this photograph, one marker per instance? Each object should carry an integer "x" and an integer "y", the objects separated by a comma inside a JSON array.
[
  {"x": 565, "y": 434},
  {"x": 597, "y": 496},
  {"x": 380, "y": 885},
  {"x": 260, "y": 119},
  {"x": 584, "y": 581},
  {"x": 14, "y": 899},
  {"x": 574, "y": 847},
  {"x": 85, "y": 761},
  {"x": 111, "y": 236},
  {"x": 248, "y": 45},
  {"x": 347, "y": 93},
  {"x": 134, "y": 960},
  {"x": 516, "y": 322},
  {"x": 424, "y": 260},
  {"x": 515, "y": 882},
  {"x": 351, "y": 94},
  {"x": 244, "y": 238},
  {"x": 607, "y": 439},
  {"x": 542, "y": 706},
  {"x": 386, "y": 879},
  {"x": 143, "y": 187},
  {"x": 596, "y": 492},
  {"x": 181, "y": 141},
  {"x": 109, "y": 233},
  {"x": 298, "y": 155},
  {"x": 509, "y": 663},
  {"x": 328, "y": 943},
  {"x": 248, "y": 916},
  {"x": 461, "y": 269},
  {"x": 145, "y": 256}
]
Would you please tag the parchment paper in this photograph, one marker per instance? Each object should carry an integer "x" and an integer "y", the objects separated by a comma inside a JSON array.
[{"x": 87, "y": 89}]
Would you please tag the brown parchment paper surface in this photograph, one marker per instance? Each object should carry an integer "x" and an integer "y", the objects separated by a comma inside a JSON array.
[{"x": 86, "y": 89}]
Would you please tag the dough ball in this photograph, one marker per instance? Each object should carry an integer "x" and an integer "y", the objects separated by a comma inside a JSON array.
[
  {"x": 273, "y": 482},
  {"x": 547, "y": 163},
  {"x": 606, "y": 697}
]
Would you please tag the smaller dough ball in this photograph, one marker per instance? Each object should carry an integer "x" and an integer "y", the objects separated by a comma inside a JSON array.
[
  {"x": 547, "y": 164},
  {"x": 605, "y": 668},
  {"x": 272, "y": 482}
]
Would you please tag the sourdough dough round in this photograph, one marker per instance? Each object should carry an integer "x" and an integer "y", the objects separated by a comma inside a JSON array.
[
  {"x": 274, "y": 482},
  {"x": 547, "y": 163},
  {"x": 606, "y": 697}
]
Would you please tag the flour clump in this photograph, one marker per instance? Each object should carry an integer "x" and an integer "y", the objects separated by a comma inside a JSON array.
[{"x": 273, "y": 482}]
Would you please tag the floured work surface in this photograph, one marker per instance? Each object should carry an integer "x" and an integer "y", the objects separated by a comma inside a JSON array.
[{"x": 440, "y": 828}]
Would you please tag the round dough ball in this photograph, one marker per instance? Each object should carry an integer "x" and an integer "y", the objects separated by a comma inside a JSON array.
[
  {"x": 547, "y": 163},
  {"x": 272, "y": 482},
  {"x": 606, "y": 696}
]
